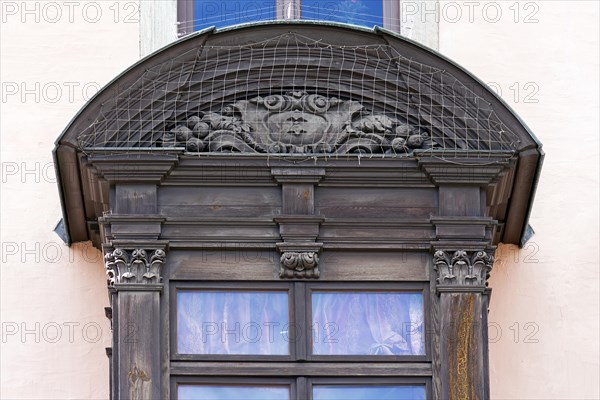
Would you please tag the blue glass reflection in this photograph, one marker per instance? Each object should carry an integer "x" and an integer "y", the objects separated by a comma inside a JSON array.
[
  {"x": 368, "y": 323},
  {"x": 221, "y": 13},
  {"x": 358, "y": 12},
  {"x": 232, "y": 322},
  {"x": 212, "y": 392},
  {"x": 324, "y": 392}
]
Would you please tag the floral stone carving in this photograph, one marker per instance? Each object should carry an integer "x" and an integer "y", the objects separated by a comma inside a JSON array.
[
  {"x": 462, "y": 268},
  {"x": 296, "y": 122},
  {"x": 134, "y": 266}
]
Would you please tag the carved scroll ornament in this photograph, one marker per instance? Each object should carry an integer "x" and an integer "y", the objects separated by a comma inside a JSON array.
[
  {"x": 462, "y": 268},
  {"x": 296, "y": 122},
  {"x": 299, "y": 264},
  {"x": 134, "y": 266}
]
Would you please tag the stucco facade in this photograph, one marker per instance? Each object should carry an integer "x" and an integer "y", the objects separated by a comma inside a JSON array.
[
  {"x": 546, "y": 292},
  {"x": 544, "y": 310}
]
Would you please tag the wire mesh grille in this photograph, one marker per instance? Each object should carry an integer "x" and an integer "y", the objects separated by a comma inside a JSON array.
[{"x": 291, "y": 94}]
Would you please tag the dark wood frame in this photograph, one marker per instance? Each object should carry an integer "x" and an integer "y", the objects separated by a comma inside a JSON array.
[
  {"x": 367, "y": 257},
  {"x": 461, "y": 204}
]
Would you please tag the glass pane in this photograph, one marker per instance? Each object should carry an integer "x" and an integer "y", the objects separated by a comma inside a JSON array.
[
  {"x": 358, "y": 12},
  {"x": 368, "y": 323},
  {"x": 232, "y": 322},
  {"x": 212, "y": 392},
  {"x": 221, "y": 13},
  {"x": 323, "y": 392}
]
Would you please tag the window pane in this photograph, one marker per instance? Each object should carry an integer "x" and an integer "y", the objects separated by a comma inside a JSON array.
[
  {"x": 358, "y": 12},
  {"x": 368, "y": 323},
  {"x": 323, "y": 392},
  {"x": 221, "y": 13},
  {"x": 232, "y": 322},
  {"x": 212, "y": 392}
]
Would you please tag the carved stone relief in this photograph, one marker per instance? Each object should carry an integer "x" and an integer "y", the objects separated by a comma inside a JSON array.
[
  {"x": 462, "y": 268},
  {"x": 134, "y": 266},
  {"x": 296, "y": 122},
  {"x": 296, "y": 264}
]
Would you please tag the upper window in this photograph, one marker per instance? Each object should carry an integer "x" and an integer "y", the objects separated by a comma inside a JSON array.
[
  {"x": 201, "y": 14},
  {"x": 358, "y": 12},
  {"x": 231, "y": 12}
]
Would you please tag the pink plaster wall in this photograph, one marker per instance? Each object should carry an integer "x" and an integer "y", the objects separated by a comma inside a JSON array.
[
  {"x": 44, "y": 282},
  {"x": 547, "y": 292}
]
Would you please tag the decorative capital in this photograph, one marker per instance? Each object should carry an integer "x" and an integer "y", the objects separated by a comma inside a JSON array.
[
  {"x": 295, "y": 264},
  {"x": 136, "y": 266},
  {"x": 462, "y": 270}
]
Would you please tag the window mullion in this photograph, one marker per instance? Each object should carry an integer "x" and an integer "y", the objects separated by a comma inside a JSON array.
[
  {"x": 300, "y": 321},
  {"x": 302, "y": 392}
]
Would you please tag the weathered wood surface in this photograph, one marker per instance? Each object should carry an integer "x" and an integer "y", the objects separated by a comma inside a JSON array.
[
  {"x": 139, "y": 356},
  {"x": 305, "y": 369},
  {"x": 384, "y": 203},
  {"x": 219, "y": 202},
  {"x": 462, "y": 346},
  {"x": 263, "y": 264}
]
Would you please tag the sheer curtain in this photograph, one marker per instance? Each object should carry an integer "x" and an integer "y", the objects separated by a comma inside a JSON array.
[
  {"x": 367, "y": 323},
  {"x": 232, "y": 322}
]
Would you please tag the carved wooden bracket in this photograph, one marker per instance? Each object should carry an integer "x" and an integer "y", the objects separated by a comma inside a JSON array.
[
  {"x": 299, "y": 250},
  {"x": 295, "y": 264},
  {"x": 136, "y": 266},
  {"x": 462, "y": 270}
]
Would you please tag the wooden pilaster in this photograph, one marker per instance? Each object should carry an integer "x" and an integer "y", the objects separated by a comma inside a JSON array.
[{"x": 461, "y": 264}]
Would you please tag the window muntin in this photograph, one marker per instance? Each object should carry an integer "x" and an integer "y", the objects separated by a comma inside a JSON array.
[
  {"x": 229, "y": 322},
  {"x": 374, "y": 323},
  {"x": 368, "y": 392},
  {"x": 232, "y": 392}
]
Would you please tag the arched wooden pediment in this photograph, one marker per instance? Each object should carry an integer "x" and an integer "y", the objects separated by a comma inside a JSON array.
[
  {"x": 300, "y": 89},
  {"x": 299, "y": 92}
]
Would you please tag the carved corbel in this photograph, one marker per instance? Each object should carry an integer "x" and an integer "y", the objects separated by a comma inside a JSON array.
[
  {"x": 299, "y": 264},
  {"x": 299, "y": 249},
  {"x": 462, "y": 270},
  {"x": 134, "y": 266}
]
